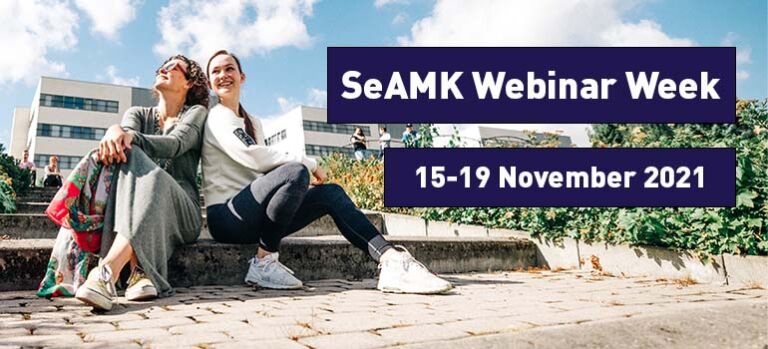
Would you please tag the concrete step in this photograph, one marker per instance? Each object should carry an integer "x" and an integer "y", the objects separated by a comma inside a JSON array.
[
  {"x": 39, "y": 226},
  {"x": 46, "y": 197},
  {"x": 39, "y": 208},
  {"x": 312, "y": 258},
  {"x": 31, "y": 207}
]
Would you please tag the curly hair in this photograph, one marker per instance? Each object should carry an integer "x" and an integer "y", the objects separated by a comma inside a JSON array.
[{"x": 198, "y": 93}]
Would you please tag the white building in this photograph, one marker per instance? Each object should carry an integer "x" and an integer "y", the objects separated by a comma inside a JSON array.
[
  {"x": 472, "y": 135},
  {"x": 305, "y": 129},
  {"x": 67, "y": 118}
]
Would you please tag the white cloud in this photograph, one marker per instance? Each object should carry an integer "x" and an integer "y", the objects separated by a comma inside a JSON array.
[
  {"x": 399, "y": 18},
  {"x": 538, "y": 23},
  {"x": 535, "y": 23},
  {"x": 742, "y": 74},
  {"x": 28, "y": 31},
  {"x": 201, "y": 27},
  {"x": 382, "y": 3},
  {"x": 111, "y": 72},
  {"x": 743, "y": 54},
  {"x": 287, "y": 104},
  {"x": 315, "y": 98},
  {"x": 109, "y": 16}
]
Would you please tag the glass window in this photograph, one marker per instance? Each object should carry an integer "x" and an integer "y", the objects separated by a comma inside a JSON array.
[
  {"x": 318, "y": 126},
  {"x": 75, "y": 132},
  {"x": 78, "y": 103}
]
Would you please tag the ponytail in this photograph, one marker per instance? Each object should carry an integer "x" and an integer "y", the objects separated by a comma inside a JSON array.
[{"x": 248, "y": 124}]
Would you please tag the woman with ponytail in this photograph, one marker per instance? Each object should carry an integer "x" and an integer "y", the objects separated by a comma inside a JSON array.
[{"x": 258, "y": 195}]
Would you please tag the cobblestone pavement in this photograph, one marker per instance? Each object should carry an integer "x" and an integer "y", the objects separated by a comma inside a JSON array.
[{"x": 351, "y": 314}]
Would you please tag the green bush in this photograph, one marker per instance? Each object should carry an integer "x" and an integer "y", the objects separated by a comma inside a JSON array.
[
  {"x": 20, "y": 179},
  {"x": 362, "y": 180},
  {"x": 739, "y": 230},
  {"x": 13, "y": 180},
  {"x": 7, "y": 196}
]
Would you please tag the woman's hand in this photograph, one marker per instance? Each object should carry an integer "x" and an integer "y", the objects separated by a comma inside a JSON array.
[
  {"x": 320, "y": 176},
  {"x": 113, "y": 145}
]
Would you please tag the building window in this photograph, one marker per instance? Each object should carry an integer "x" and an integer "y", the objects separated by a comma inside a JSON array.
[
  {"x": 75, "y": 132},
  {"x": 324, "y": 150},
  {"x": 318, "y": 126},
  {"x": 78, "y": 103},
  {"x": 65, "y": 162},
  {"x": 276, "y": 138}
]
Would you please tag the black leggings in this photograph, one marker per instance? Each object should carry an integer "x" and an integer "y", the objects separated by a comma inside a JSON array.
[
  {"x": 52, "y": 181},
  {"x": 281, "y": 203}
]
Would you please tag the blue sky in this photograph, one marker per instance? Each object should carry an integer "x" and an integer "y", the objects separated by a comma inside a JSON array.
[{"x": 282, "y": 43}]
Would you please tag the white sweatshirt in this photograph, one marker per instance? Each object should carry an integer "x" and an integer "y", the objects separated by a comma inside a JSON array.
[{"x": 232, "y": 159}]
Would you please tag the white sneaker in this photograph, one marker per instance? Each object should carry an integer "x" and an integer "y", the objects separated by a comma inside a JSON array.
[
  {"x": 268, "y": 272},
  {"x": 98, "y": 290},
  {"x": 401, "y": 273}
]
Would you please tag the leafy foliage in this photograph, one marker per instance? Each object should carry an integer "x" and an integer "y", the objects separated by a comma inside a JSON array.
[
  {"x": 739, "y": 230},
  {"x": 362, "y": 180},
  {"x": 12, "y": 181},
  {"x": 21, "y": 179}
]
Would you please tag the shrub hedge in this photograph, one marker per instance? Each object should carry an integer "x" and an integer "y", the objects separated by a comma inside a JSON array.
[{"x": 738, "y": 230}]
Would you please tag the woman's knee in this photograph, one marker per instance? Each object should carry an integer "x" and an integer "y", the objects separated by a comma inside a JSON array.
[
  {"x": 295, "y": 172},
  {"x": 335, "y": 194},
  {"x": 137, "y": 155}
]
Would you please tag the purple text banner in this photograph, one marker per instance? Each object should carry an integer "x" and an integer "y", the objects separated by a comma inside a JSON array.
[
  {"x": 566, "y": 177},
  {"x": 531, "y": 85}
]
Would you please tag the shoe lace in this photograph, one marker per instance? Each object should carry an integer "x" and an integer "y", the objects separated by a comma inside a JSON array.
[
  {"x": 408, "y": 261},
  {"x": 106, "y": 278},
  {"x": 271, "y": 264},
  {"x": 136, "y": 275}
]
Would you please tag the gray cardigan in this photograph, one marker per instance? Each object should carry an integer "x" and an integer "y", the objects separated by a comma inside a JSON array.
[{"x": 181, "y": 144}]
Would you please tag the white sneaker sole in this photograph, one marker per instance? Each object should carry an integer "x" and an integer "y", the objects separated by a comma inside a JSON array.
[
  {"x": 93, "y": 298},
  {"x": 270, "y": 285},
  {"x": 141, "y": 294},
  {"x": 402, "y": 291}
]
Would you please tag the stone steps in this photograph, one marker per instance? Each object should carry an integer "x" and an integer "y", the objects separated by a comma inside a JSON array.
[
  {"x": 39, "y": 226},
  {"x": 39, "y": 208},
  {"x": 31, "y": 207},
  {"x": 46, "y": 197},
  {"x": 316, "y": 252},
  {"x": 23, "y": 262}
]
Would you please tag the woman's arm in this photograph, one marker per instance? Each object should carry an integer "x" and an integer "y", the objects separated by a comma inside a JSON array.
[
  {"x": 232, "y": 139},
  {"x": 185, "y": 136}
]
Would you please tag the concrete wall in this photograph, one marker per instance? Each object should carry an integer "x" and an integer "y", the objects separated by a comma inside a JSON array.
[
  {"x": 297, "y": 137},
  {"x": 19, "y": 131},
  {"x": 291, "y": 123}
]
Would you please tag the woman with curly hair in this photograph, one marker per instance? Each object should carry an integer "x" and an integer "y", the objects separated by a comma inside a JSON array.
[{"x": 153, "y": 207}]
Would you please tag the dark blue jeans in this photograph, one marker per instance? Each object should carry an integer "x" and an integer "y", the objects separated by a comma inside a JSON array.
[{"x": 281, "y": 203}]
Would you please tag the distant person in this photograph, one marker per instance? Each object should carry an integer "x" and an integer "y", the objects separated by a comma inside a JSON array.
[
  {"x": 410, "y": 136},
  {"x": 52, "y": 173},
  {"x": 358, "y": 143},
  {"x": 385, "y": 140},
  {"x": 28, "y": 165}
]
